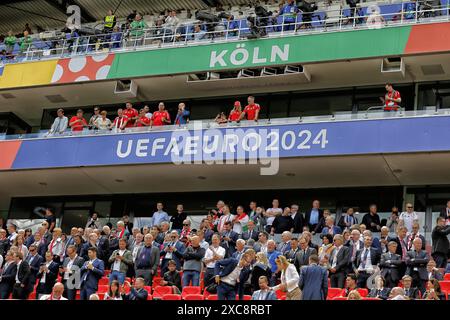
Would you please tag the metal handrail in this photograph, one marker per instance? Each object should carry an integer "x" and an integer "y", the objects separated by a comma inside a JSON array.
[
  {"x": 209, "y": 124},
  {"x": 225, "y": 31}
]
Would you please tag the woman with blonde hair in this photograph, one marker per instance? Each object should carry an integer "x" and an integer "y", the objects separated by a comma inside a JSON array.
[
  {"x": 260, "y": 268},
  {"x": 354, "y": 295},
  {"x": 21, "y": 247},
  {"x": 289, "y": 279}
]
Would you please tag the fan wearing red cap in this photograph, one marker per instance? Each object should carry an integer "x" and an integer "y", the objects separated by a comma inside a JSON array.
[
  {"x": 235, "y": 114},
  {"x": 251, "y": 110}
]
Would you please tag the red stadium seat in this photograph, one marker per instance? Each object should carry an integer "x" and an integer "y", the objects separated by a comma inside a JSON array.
[
  {"x": 339, "y": 298},
  {"x": 160, "y": 291},
  {"x": 280, "y": 295},
  {"x": 103, "y": 288},
  {"x": 445, "y": 285},
  {"x": 171, "y": 297},
  {"x": 247, "y": 297},
  {"x": 363, "y": 292},
  {"x": 106, "y": 273},
  {"x": 101, "y": 295},
  {"x": 32, "y": 295},
  {"x": 334, "y": 292},
  {"x": 103, "y": 281},
  {"x": 191, "y": 290},
  {"x": 77, "y": 296},
  {"x": 212, "y": 297},
  {"x": 148, "y": 288},
  {"x": 156, "y": 281},
  {"x": 149, "y": 297},
  {"x": 193, "y": 297},
  {"x": 447, "y": 277}
]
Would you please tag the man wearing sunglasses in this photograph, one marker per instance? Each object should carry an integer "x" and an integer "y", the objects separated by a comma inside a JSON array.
[
  {"x": 172, "y": 250},
  {"x": 408, "y": 217}
]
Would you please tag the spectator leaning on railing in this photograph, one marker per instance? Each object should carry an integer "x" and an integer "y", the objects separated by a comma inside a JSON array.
[{"x": 59, "y": 124}]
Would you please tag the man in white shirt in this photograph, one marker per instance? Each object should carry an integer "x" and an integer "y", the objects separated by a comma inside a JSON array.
[
  {"x": 214, "y": 253},
  {"x": 226, "y": 217},
  {"x": 228, "y": 275},
  {"x": 408, "y": 217},
  {"x": 60, "y": 123},
  {"x": 56, "y": 294}
]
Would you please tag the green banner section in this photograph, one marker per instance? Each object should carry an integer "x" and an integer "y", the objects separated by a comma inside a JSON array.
[{"x": 353, "y": 44}]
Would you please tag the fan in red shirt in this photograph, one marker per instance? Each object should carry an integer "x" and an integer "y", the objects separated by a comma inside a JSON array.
[
  {"x": 391, "y": 99},
  {"x": 131, "y": 113},
  {"x": 142, "y": 121},
  {"x": 235, "y": 114},
  {"x": 160, "y": 117},
  {"x": 77, "y": 123},
  {"x": 120, "y": 121},
  {"x": 251, "y": 110}
]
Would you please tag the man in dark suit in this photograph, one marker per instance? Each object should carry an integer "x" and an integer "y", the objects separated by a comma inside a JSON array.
[
  {"x": 35, "y": 261},
  {"x": 229, "y": 238},
  {"x": 251, "y": 233},
  {"x": 410, "y": 291},
  {"x": 137, "y": 292},
  {"x": 172, "y": 250},
  {"x": 230, "y": 275},
  {"x": 339, "y": 261},
  {"x": 372, "y": 220},
  {"x": 303, "y": 254},
  {"x": 299, "y": 221},
  {"x": 313, "y": 215},
  {"x": 70, "y": 271},
  {"x": 7, "y": 276},
  {"x": 4, "y": 242},
  {"x": 292, "y": 253},
  {"x": 91, "y": 272},
  {"x": 285, "y": 243},
  {"x": 402, "y": 250},
  {"x": 313, "y": 280},
  {"x": 47, "y": 274},
  {"x": 366, "y": 261},
  {"x": 440, "y": 242},
  {"x": 354, "y": 244},
  {"x": 390, "y": 263},
  {"x": 21, "y": 287},
  {"x": 416, "y": 265}
]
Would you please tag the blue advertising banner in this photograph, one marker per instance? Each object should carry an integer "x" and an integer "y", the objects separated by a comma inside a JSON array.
[{"x": 402, "y": 135}]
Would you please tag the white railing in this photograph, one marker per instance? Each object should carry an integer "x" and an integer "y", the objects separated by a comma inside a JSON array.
[
  {"x": 333, "y": 20},
  {"x": 377, "y": 114}
]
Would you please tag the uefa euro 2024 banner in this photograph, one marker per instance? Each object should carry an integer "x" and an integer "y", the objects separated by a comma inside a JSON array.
[{"x": 254, "y": 144}]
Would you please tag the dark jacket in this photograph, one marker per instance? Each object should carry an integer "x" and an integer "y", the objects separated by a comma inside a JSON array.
[
  {"x": 254, "y": 235},
  {"x": 391, "y": 265},
  {"x": 50, "y": 278},
  {"x": 343, "y": 257},
  {"x": 177, "y": 220},
  {"x": 8, "y": 276},
  {"x": 230, "y": 246},
  {"x": 374, "y": 257},
  {"x": 381, "y": 294},
  {"x": 173, "y": 279},
  {"x": 313, "y": 282},
  {"x": 90, "y": 278},
  {"x": 368, "y": 219},
  {"x": 308, "y": 217},
  {"x": 34, "y": 266},
  {"x": 302, "y": 259},
  {"x": 24, "y": 276},
  {"x": 147, "y": 258},
  {"x": 299, "y": 222},
  {"x": 258, "y": 271},
  {"x": 134, "y": 294},
  {"x": 440, "y": 240},
  {"x": 417, "y": 260}
]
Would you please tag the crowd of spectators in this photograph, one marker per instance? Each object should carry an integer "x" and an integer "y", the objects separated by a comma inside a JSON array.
[
  {"x": 129, "y": 117},
  {"x": 167, "y": 26},
  {"x": 256, "y": 253}
]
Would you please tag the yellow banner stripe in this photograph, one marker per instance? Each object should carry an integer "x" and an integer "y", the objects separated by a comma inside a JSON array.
[{"x": 27, "y": 74}]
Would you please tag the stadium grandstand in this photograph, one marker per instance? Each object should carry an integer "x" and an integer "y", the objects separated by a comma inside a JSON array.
[{"x": 224, "y": 150}]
